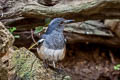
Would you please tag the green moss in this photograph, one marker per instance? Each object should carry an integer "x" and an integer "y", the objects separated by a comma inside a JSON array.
[{"x": 28, "y": 67}]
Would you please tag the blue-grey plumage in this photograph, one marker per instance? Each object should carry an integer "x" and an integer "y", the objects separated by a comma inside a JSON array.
[{"x": 53, "y": 47}]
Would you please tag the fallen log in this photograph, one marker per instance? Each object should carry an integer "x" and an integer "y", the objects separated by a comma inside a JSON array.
[{"x": 79, "y": 10}]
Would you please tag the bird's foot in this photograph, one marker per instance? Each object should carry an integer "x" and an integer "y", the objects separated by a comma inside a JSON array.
[
  {"x": 45, "y": 64},
  {"x": 60, "y": 70}
]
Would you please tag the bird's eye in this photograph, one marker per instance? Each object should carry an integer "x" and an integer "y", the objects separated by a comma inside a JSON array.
[{"x": 61, "y": 22}]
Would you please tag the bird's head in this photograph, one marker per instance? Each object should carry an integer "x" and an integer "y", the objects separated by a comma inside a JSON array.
[{"x": 57, "y": 24}]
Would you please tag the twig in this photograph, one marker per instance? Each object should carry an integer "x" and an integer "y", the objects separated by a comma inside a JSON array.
[
  {"x": 2, "y": 14},
  {"x": 112, "y": 58},
  {"x": 33, "y": 36},
  {"x": 35, "y": 43}
]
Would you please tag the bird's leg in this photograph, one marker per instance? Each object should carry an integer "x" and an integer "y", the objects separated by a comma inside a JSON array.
[
  {"x": 57, "y": 69},
  {"x": 54, "y": 64},
  {"x": 60, "y": 70},
  {"x": 45, "y": 64}
]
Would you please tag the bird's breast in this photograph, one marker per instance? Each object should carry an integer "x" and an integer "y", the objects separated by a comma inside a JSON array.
[{"x": 51, "y": 54}]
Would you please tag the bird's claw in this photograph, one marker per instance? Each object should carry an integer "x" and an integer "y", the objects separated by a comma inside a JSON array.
[{"x": 45, "y": 64}]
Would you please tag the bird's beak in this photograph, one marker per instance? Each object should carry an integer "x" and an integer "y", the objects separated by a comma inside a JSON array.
[{"x": 68, "y": 21}]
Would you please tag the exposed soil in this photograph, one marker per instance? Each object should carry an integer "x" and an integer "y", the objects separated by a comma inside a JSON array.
[{"x": 91, "y": 62}]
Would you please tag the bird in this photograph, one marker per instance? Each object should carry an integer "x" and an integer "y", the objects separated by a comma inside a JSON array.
[{"x": 53, "y": 42}]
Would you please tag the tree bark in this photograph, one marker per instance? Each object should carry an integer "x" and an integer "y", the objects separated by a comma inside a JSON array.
[{"x": 78, "y": 10}]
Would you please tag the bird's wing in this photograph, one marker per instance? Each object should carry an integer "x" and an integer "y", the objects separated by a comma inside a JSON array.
[
  {"x": 41, "y": 40},
  {"x": 65, "y": 40},
  {"x": 40, "y": 43}
]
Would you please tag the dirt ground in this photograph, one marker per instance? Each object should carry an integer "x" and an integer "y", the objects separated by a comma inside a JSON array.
[{"x": 91, "y": 62}]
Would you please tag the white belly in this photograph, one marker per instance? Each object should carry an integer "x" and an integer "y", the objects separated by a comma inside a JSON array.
[{"x": 51, "y": 54}]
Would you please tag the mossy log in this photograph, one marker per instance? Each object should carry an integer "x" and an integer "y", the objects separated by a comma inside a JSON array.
[{"x": 24, "y": 65}]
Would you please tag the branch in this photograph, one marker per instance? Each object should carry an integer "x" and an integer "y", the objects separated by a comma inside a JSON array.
[
  {"x": 107, "y": 41},
  {"x": 80, "y": 11}
]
